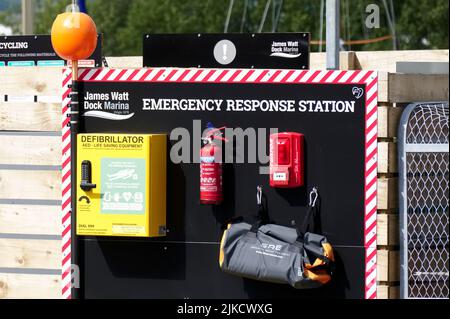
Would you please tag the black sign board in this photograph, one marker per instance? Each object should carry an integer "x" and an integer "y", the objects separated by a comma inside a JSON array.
[
  {"x": 261, "y": 50},
  {"x": 338, "y": 125},
  {"x": 37, "y": 50}
]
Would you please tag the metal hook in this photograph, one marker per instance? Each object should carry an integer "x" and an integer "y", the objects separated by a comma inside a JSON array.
[
  {"x": 312, "y": 202},
  {"x": 259, "y": 190}
]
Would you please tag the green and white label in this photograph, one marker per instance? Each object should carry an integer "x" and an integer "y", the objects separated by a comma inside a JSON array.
[
  {"x": 51, "y": 63},
  {"x": 2, "y": 63},
  {"x": 21, "y": 63},
  {"x": 123, "y": 186}
]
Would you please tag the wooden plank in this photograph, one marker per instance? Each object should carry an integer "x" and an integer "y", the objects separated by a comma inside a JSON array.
[
  {"x": 417, "y": 88},
  {"x": 18, "y": 286},
  {"x": 406, "y": 88},
  {"x": 44, "y": 185},
  {"x": 387, "y": 158},
  {"x": 388, "y": 231},
  {"x": 388, "y": 121},
  {"x": 317, "y": 61},
  {"x": 388, "y": 265},
  {"x": 347, "y": 60},
  {"x": 34, "y": 254},
  {"x": 38, "y": 81},
  {"x": 363, "y": 60},
  {"x": 125, "y": 62},
  {"x": 388, "y": 292},
  {"x": 383, "y": 87},
  {"x": 30, "y": 150},
  {"x": 30, "y": 116},
  {"x": 31, "y": 219},
  {"x": 387, "y": 60},
  {"x": 387, "y": 193}
]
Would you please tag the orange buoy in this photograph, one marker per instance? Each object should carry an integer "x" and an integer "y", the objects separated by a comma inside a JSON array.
[{"x": 74, "y": 36}]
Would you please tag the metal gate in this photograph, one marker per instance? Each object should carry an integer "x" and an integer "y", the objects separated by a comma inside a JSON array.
[{"x": 424, "y": 201}]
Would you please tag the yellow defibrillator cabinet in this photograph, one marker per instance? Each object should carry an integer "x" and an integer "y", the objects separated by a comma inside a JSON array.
[{"x": 121, "y": 185}]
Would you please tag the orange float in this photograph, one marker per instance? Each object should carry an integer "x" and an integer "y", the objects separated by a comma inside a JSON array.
[{"x": 74, "y": 36}]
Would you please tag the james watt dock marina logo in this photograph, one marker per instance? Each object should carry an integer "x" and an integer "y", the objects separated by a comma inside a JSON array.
[
  {"x": 286, "y": 49},
  {"x": 113, "y": 106}
]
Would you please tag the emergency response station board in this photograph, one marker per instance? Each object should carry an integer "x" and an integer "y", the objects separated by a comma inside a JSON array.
[{"x": 335, "y": 110}]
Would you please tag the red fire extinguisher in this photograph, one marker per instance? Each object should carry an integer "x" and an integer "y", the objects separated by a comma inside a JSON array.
[{"x": 211, "y": 168}]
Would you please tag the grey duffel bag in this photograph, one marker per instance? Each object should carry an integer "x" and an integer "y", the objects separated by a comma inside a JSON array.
[{"x": 278, "y": 254}]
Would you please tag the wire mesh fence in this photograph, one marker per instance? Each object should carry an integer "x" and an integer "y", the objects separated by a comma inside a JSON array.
[
  {"x": 424, "y": 206},
  {"x": 428, "y": 124}
]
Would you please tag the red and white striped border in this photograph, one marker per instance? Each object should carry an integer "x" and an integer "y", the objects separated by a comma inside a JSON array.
[
  {"x": 367, "y": 78},
  {"x": 66, "y": 279},
  {"x": 371, "y": 185},
  {"x": 225, "y": 76}
]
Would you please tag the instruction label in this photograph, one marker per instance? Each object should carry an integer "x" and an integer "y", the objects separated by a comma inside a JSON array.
[
  {"x": 128, "y": 229},
  {"x": 123, "y": 186}
]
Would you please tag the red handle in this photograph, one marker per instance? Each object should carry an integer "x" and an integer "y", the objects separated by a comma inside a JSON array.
[{"x": 216, "y": 137}]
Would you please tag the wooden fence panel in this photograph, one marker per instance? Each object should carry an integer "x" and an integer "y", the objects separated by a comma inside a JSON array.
[
  {"x": 30, "y": 116},
  {"x": 25, "y": 286},
  {"x": 30, "y": 150},
  {"x": 34, "y": 254},
  {"x": 30, "y": 219},
  {"x": 37, "y": 185}
]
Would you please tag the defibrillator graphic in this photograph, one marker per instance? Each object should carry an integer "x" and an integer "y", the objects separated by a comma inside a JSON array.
[{"x": 121, "y": 185}]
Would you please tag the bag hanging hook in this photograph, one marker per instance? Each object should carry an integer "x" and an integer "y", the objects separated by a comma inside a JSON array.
[
  {"x": 313, "y": 196},
  {"x": 259, "y": 190}
]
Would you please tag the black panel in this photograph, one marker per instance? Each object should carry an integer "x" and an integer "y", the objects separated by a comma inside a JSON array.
[
  {"x": 136, "y": 269},
  {"x": 37, "y": 48},
  {"x": 334, "y": 163},
  {"x": 252, "y": 50}
]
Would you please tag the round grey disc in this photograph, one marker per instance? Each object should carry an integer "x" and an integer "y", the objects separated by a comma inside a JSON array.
[{"x": 225, "y": 52}]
